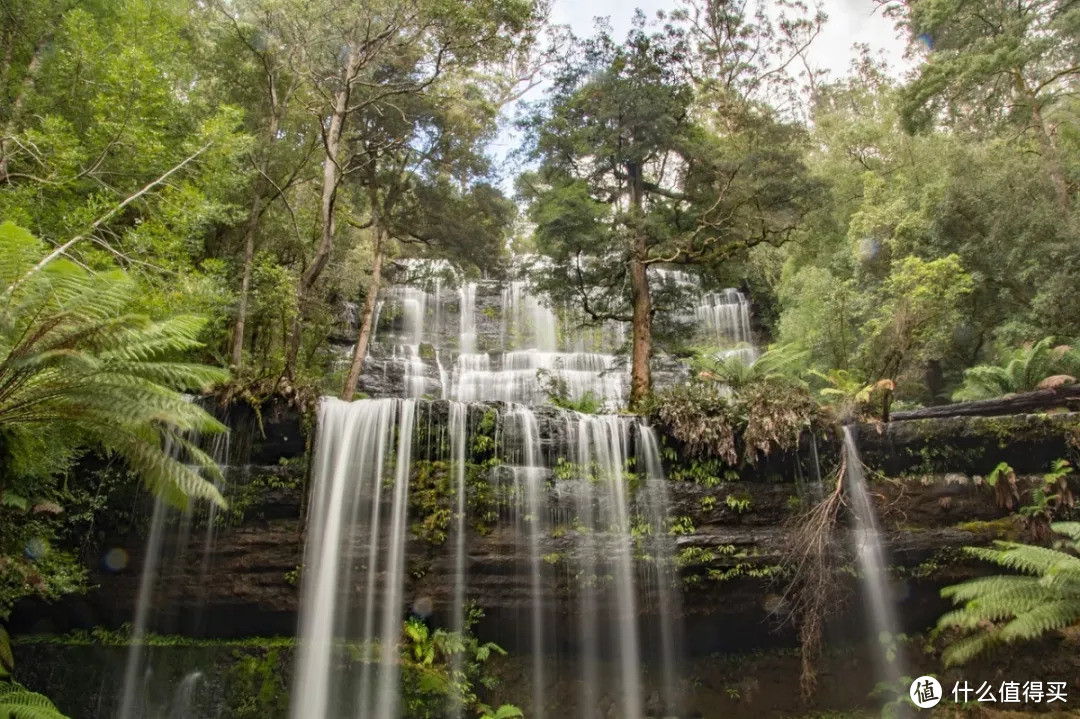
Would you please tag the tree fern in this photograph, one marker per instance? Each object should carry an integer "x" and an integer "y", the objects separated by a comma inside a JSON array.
[
  {"x": 17, "y": 702},
  {"x": 1002, "y": 609},
  {"x": 73, "y": 356},
  {"x": 1022, "y": 370},
  {"x": 779, "y": 362}
]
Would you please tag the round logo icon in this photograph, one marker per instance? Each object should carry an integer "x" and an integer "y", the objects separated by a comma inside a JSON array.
[{"x": 925, "y": 692}]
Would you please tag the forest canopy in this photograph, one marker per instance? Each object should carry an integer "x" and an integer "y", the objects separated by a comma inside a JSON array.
[{"x": 264, "y": 163}]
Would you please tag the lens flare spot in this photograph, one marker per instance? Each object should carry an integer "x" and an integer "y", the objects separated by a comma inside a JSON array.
[
  {"x": 36, "y": 549},
  {"x": 115, "y": 560},
  {"x": 423, "y": 607}
]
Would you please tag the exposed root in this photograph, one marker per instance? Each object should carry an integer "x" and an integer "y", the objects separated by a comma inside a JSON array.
[{"x": 815, "y": 591}]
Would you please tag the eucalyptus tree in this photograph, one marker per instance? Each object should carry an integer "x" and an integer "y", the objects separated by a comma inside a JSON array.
[
  {"x": 636, "y": 169},
  {"x": 422, "y": 170},
  {"x": 993, "y": 64},
  {"x": 360, "y": 56},
  {"x": 267, "y": 84}
]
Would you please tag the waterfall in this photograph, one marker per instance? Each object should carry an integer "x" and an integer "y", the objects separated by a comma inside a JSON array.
[
  {"x": 156, "y": 599},
  {"x": 458, "y": 434},
  {"x": 467, "y": 335},
  {"x": 352, "y": 448},
  {"x": 602, "y": 439},
  {"x": 662, "y": 549},
  {"x": 582, "y": 500},
  {"x": 143, "y": 602},
  {"x": 872, "y": 566},
  {"x": 721, "y": 319},
  {"x": 358, "y": 523}
]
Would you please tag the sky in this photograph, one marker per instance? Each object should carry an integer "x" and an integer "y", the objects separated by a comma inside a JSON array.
[{"x": 850, "y": 21}]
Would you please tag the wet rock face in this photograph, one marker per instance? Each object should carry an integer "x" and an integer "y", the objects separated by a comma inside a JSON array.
[{"x": 730, "y": 537}]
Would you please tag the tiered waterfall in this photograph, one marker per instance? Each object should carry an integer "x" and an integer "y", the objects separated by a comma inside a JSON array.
[{"x": 463, "y": 370}]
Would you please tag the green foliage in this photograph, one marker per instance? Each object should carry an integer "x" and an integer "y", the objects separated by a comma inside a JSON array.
[
  {"x": 17, "y": 702},
  {"x": 1021, "y": 370},
  {"x": 430, "y": 500},
  {"x": 680, "y": 525},
  {"x": 916, "y": 312},
  {"x": 779, "y": 363},
  {"x": 1003, "y": 609},
  {"x": 77, "y": 366},
  {"x": 1049, "y": 499},
  {"x": 257, "y": 684},
  {"x": 559, "y": 395},
  {"x": 442, "y": 669},
  {"x": 739, "y": 505},
  {"x": 505, "y": 711}
]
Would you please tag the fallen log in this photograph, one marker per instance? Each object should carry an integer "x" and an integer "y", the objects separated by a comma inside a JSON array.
[{"x": 1040, "y": 400}]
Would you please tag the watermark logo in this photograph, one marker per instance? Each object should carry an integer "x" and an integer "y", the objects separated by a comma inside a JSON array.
[{"x": 925, "y": 692}]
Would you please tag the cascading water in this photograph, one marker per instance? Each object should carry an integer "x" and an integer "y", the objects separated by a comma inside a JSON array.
[
  {"x": 169, "y": 529},
  {"x": 662, "y": 552},
  {"x": 498, "y": 341},
  {"x": 721, "y": 319},
  {"x": 354, "y": 579},
  {"x": 353, "y": 447},
  {"x": 584, "y": 497},
  {"x": 872, "y": 566}
]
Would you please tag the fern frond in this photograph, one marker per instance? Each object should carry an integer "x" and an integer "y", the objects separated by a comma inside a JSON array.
[
  {"x": 1002, "y": 609},
  {"x": 17, "y": 702},
  {"x": 72, "y": 354}
]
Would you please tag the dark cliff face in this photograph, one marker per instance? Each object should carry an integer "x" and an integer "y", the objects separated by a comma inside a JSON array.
[{"x": 730, "y": 539}]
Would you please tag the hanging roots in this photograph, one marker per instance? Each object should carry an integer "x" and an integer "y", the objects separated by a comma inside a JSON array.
[{"x": 815, "y": 590}]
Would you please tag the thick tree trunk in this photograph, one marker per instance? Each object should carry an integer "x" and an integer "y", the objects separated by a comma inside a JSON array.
[
  {"x": 250, "y": 234},
  {"x": 331, "y": 179},
  {"x": 1037, "y": 401},
  {"x": 641, "y": 352},
  {"x": 367, "y": 319},
  {"x": 11, "y": 126}
]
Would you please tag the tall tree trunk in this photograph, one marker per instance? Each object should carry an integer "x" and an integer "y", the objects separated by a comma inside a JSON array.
[
  {"x": 245, "y": 282},
  {"x": 367, "y": 319},
  {"x": 251, "y": 232},
  {"x": 641, "y": 352},
  {"x": 11, "y": 126},
  {"x": 331, "y": 179},
  {"x": 1050, "y": 153},
  {"x": 8, "y": 55}
]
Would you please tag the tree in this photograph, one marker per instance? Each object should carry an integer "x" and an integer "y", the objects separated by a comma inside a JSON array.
[
  {"x": 996, "y": 63},
  {"x": 632, "y": 174},
  {"x": 367, "y": 55},
  {"x": 914, "y": 315},
  {"x": 417, "y": 170},
  {"x": 275, "y": 171}
]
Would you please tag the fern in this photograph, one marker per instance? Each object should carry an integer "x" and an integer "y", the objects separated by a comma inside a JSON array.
[
  {"x": 779, "y": 362},
  {"x": 74, "y": 358},
  {"x": 17, "y": 702},
  {"x": 1003, "y": 609},
  {"x": 1022, "y": 370}
]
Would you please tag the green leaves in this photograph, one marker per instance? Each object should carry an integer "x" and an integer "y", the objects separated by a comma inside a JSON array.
[
  {"x": 17, "y": 702},
  {"x": 1003, "y": 609},
  {"x": 72, "y": 356},
  {"x": 1022, "y": 369}
]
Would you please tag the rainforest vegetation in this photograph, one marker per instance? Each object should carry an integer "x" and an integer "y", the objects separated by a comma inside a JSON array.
[{"x": 193, "y": 192}]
